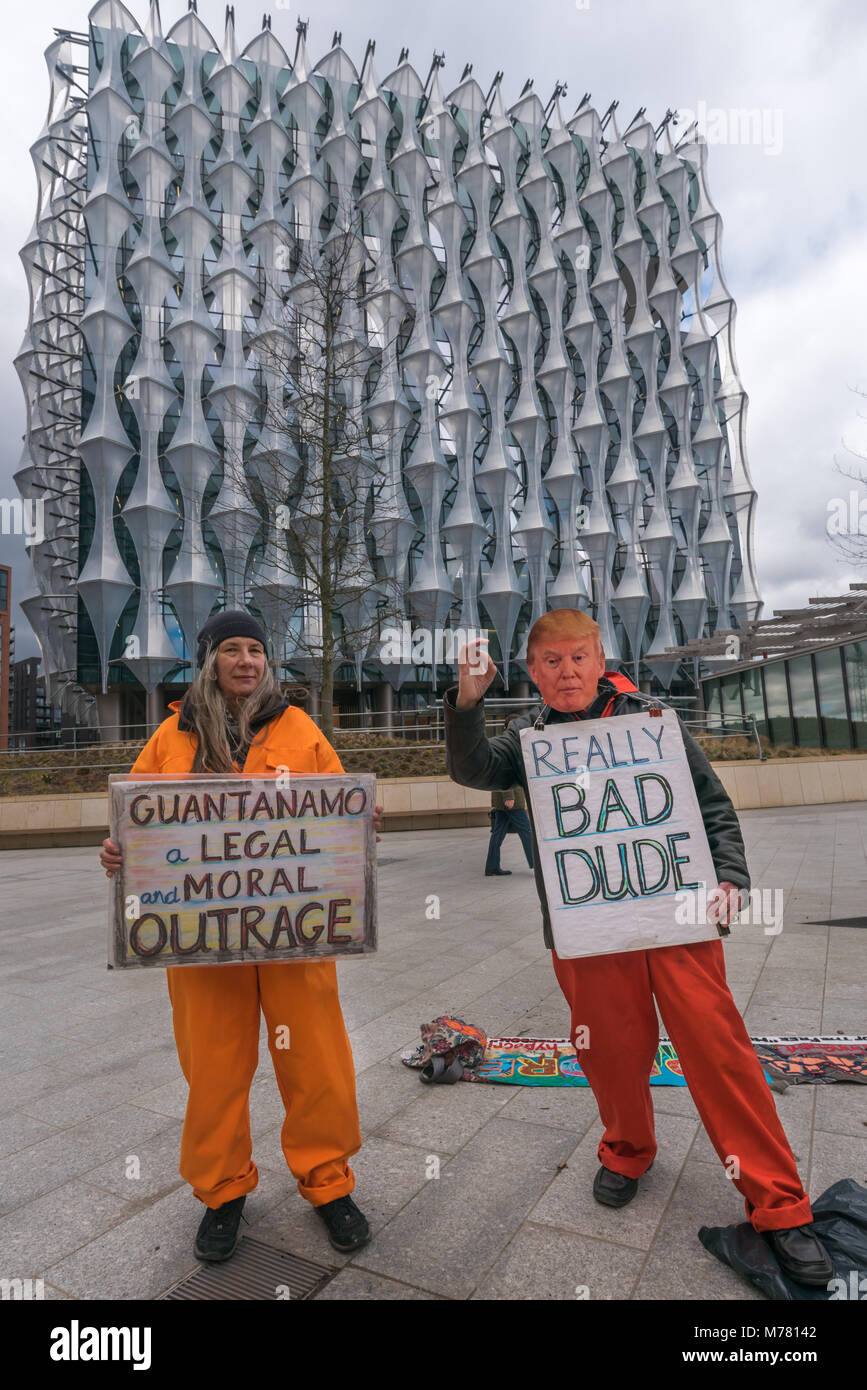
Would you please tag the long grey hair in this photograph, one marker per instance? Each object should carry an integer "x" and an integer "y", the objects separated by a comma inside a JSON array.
[{"x": 205, "y": 706}]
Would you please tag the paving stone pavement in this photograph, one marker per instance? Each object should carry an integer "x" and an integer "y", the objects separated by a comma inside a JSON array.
[{"x": 91, "y": 1090}]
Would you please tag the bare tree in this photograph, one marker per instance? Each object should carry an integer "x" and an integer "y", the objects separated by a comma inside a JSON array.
[{"x": 312, "y": 461}]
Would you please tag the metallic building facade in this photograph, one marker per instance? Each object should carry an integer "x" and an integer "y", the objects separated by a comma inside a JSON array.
[{"x": 564, "y": 415}]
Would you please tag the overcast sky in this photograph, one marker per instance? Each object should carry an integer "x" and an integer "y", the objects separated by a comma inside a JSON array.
[{"x": 792, "y": 203}]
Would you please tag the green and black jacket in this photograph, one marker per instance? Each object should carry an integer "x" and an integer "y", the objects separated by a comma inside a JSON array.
[{"x": 496, "y": 764}]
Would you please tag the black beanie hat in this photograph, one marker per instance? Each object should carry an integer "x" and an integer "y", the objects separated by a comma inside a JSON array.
[{"x": 233, "y": 623}]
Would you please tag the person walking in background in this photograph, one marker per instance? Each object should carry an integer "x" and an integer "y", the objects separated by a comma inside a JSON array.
[{"x": 508, "y": 813}]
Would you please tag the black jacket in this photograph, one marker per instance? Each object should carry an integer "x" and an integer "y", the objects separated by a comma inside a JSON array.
[{"x": 488, "y": 764}]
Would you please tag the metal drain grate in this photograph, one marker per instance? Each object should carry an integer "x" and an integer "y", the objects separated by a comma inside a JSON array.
[{"x": 255, "y": 1271}]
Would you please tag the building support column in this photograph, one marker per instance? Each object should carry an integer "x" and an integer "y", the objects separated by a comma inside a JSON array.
[
  {"x": 384, "y": 705},
  {"x": 108, "y": 707},
  {"x": 156, "y": 709}
]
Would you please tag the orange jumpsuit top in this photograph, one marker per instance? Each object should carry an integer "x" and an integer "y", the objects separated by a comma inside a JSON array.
[{"x": 291, "y": 740}]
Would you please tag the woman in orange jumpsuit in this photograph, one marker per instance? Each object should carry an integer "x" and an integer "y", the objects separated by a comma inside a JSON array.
[{"x": 232, "y": 719}]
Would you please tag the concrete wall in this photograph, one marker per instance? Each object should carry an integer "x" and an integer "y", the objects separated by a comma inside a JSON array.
[
  {"x": 426, "y": 803},
  {"x": 794, "y": 781}
]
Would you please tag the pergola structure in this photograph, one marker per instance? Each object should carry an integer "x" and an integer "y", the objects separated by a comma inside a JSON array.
[{"x": 826, "y": 622}]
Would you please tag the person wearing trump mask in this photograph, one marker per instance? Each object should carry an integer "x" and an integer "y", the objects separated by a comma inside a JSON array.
[{"x": 612, "y": 996}]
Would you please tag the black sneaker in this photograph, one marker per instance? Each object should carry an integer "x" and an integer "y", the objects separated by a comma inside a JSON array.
[
  {"x": 217, "y": 1235},
  {"x": 347, "y": 1226},
  {"x": 497, "y": 873}
]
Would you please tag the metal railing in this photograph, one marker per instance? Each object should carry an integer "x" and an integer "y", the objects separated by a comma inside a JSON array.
[
  {"x": 714, "y": 727},
  {"x": 423, "y": 729},
  {"x": 398, "y": 724}
]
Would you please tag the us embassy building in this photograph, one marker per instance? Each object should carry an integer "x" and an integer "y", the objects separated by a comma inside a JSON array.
[{"x": 558, "y": 420}]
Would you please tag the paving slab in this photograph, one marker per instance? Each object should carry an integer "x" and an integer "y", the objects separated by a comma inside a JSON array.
[
  {"x": 544, "y": 1263},
  {"x": 19, "y": 1131},
  {"x": 450, "y": 1234},
  {"x": 28, "y": 1173},
  {"x": 569, "y": 1202},
  {"x": 444, "y": 1118},
  {"x": 678, "y": 1266},
  {"x": 842, "y": 1109},
  {"x": 360, "y": 1285},
  {"x": 572, "y": 1108},
  {"x": 836, "y": 1156},
  {"x": 55, "y": 1225},
  {"x": 144, "y": 1255},
  {"x": 89, "y": 1079},
  {"x": 382, "y": 1090},
  {"x": 153, "y": 1174}
]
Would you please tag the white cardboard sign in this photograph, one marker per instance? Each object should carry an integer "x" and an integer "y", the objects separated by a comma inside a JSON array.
[
  {"x": 221, "y": 870},
  {"x": 622, "y": 844}
]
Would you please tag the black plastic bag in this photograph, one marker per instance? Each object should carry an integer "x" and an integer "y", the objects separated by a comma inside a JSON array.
[{"x": 839, "y": 1222}]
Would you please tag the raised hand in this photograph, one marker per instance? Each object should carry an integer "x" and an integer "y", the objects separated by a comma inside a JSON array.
[{"x": 476, "y": 670}]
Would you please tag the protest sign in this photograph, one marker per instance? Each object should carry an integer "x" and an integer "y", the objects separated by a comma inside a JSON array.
[
  {"x": 622, "y": 845},
  {"x": 219, "y": 870}
]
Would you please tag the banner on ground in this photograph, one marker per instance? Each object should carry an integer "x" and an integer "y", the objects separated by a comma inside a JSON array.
[
  {"x": 554, "y": 1062},
  {"x": 622, "y": 845},
  {"x": 219, "y": 870},
  {"x": 785, "y": 1061},
  {"x": 813, "y": 1061}
]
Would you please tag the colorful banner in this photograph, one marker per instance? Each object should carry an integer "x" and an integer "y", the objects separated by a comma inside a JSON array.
[
  {"x": 785, "y": 1061},
  {"x": 813, "y": 1061},
  {"x": 554, "y": 1062},
  {"x": 218, "y": 870}
]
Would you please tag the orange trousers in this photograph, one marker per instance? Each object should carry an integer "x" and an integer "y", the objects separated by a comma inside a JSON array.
[
  {"x": 215, "y": 1011},
  {"x": 612, "y": 996}
]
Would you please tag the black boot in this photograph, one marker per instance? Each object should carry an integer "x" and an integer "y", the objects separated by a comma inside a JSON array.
[
  {"x": 217, "y": 1235},
  {"x": 497, "y": 873}
]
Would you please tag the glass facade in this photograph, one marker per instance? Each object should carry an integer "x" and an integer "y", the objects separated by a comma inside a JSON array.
[
  {"x": 803, "y": 694},
  {"x": 832, "y": 699},
  {"x": 855, "y": 657},
  {"x": 711, "y": 700},
  {"x": 777, "y": 700},
  {"x": 730, "y": 693},
  {"x": 816, "y": 700},
  {"x": 754, "y": 699}
]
